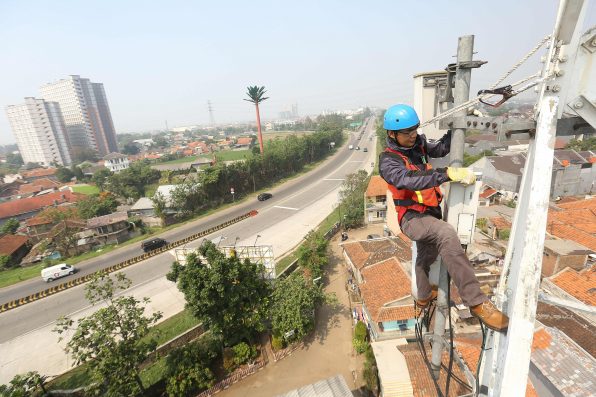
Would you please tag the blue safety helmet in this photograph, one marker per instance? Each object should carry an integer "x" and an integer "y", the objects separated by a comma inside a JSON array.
[{"x": 400, "y": 117}]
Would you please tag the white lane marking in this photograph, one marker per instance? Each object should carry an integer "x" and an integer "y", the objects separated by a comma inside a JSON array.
[
  {"x": 285, "y": 208},
  {"x": 334, "y": 179}
]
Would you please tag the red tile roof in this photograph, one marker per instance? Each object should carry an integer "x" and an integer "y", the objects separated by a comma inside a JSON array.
[
  {"x": 37, "y": 186},
  {"x": 488, "y": 192},
  {"x": 396, "y": 313},
  {"x": 39, "y": 172},
  {"x": 500, "y": 222},
  {"x": 590, "y": 203},
  {"x": 384, "y": 282},
  {"x": 10, "y": 243},
  {"x": 376, "y": 187},
  {"x": 31, "y": 204},
  {"x": 580, "y": 285},
  {"x": 244, "y": 141},
  {"x": 367, "y": 252},
  {"x": 44, "y": 217}
]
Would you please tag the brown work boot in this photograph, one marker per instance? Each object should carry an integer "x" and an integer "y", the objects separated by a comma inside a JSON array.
[
  {"x": 490, "y": 316},
  {"x": 422, "y": 303}
]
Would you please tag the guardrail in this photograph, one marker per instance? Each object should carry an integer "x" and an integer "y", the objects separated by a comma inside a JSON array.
[{"x": 131, "y": 261}]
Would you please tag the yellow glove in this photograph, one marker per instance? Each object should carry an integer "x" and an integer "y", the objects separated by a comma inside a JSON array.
[{"x": 463, "y": 175}]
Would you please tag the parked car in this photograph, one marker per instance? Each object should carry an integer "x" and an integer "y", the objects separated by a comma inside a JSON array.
[
  {"x": 264, "y": 196},
  {"x": 365, "y": 150},
  {"x": 351, "y": 147},
  {"x": 152, "y": 244},
  {"x": 372, "y": 236},
  {"x": 53, "y": 272},
  {"x": 357, "y": 147}
]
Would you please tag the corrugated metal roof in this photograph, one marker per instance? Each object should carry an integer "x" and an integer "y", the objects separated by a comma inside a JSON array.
[{"x": 335, "y": 386}]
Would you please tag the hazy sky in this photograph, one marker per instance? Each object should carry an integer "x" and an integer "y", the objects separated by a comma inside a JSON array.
[{"x": 163, "y": 60}]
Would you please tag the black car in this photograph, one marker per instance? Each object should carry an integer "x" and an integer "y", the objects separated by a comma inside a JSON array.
[
  {"x": 152, "y": 244},
  {"x": 264, "y": 196}
]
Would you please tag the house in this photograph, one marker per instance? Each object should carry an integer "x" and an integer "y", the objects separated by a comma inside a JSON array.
[
  {"x": 10, "y": 189},
  {"x": 40, "y": 226},
  {"x": 394, "y": 379},
  {"x": 577, "y": 328},
  {"x": 498, "y": 227},
  {"x": 14, "y": 246},
  {"x": 489, "y": 196},
  {"x": 37, "y": 186},
  {"x": 559, "y": 254},
  {"x": 575, "y": 286},
  {"x": 387, "y": 301},
  {"x": 360, "y": 254},
  {"x": 28, "y": 207},
  {"x": 37, "y": 173},
  {"x": 375, "y": 200},
  {"x": 9, "y": 178},
  {"x": 243, "y": 142},
  {"x": 573, "y": 174},
  {"x": 111, "y": 228},
  {"x": 116, "y": 162},
  {"x": 575, "y": 221}
]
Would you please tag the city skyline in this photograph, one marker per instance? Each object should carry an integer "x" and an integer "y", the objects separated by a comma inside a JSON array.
[{"x": 165, "y": 63}]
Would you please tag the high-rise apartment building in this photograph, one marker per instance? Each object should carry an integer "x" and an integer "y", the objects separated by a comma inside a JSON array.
[
  {"x": 40, "y": 132},
  {"x": 86, "y": 113}
]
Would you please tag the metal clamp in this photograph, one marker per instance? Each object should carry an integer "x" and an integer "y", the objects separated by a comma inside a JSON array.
[{"x": 506, "y": 92}]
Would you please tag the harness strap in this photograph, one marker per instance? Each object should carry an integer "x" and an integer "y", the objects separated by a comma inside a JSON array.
[{"x": 404, "y": 202}]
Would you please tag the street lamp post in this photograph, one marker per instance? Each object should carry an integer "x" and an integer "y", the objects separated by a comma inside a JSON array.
[{"x": 258, "y": 235}]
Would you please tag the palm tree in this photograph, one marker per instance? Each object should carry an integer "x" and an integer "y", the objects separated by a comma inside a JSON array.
[{"x": 255, "y": 94}]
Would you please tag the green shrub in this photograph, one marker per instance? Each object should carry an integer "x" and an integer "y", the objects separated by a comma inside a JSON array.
[
  {"x": 360, "y": 331},
  {"x": 504, "y": 234},
  {"x": 243, "y": 353},
  {"x": 277, "y": 342},
  {"x": 359, "y": 345},
  {"x": 228, "y": 360}
]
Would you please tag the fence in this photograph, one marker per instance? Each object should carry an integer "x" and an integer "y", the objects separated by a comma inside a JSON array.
[{"x": 235, "y": 377}]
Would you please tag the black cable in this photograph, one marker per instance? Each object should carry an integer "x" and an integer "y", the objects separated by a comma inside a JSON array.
[
  {"x": 420, "y": 340},
  {"x": 482, "y": 348}
]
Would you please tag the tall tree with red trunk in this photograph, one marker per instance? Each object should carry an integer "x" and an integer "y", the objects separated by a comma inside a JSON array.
[{"x": 255, "y": 94}]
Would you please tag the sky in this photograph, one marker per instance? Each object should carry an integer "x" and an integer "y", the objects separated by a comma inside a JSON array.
[{"x": 162, "y": 61}]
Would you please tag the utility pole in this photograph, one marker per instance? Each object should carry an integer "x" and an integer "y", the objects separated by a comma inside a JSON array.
[
  {"x": 506, "y": 367},
  {"x": 210, "y": 109},
  {"x": 465, "y": 49}
]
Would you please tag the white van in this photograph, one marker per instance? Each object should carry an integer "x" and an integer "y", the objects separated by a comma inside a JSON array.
[
  {"x": 351, "y": 147},
  {"x": 53, "y": 272}
]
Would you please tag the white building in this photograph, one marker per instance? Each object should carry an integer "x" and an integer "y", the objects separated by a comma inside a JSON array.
[
  {"x": 86, "y": 113},
  {"x": 40, "y": 132},
  {"x": 116, "y": 162}
]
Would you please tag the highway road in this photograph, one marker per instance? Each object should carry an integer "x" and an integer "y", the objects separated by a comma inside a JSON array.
[{"x": 290, "y": 201}]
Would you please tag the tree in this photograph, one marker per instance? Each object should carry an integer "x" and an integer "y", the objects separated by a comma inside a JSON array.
[
  {"x": 4, "y": 262},
  {"x": 352, "y": 198},
  {"x": 80, "y": 154},
  {"x": 187, "y": 368},
  {"x": 312, "y": 254},
  {"x": 255, "y": 95},
  {"x": 10, "y": 226},
  {"x": 131, "y": 182},
  {"x": 588, "y": 143},
  {"x": 100, "y": 178},
  {"x": 97, "y": 205},
  {"x": 230, "y": 296},
  {"x": 24, "y": 385},
  {"x": 14, "y": 159},
  {"x": 112, "y": 341},
  {"x": 130, "y": 148},
  {"x": 159, "y": 205},
  {"x": 63, "y": 174},
  {"x": 77, "y": 172},
  {"x": 293, "y": 303}
]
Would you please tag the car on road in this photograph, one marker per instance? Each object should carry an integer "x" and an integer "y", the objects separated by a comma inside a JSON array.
[
  {"x": 53, "y": 272},
  {"x": 357, "y": 147},
  {"x": 154, "y": 243},
  {"x": 365, "y": 150},
  {"x": 264, "y": 196},
  {"x": 351, "y": 147}
]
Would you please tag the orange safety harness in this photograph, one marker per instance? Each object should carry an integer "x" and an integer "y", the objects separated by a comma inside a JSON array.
[{"x": 416, "y": 200}]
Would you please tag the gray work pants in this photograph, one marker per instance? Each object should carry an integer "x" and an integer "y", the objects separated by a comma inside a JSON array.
[{"x": 436, "y": 237}]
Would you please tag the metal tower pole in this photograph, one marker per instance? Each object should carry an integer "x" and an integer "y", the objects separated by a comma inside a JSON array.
[
  {"x": 465, "y": 49},
  {"x": 505, "y": 371}
]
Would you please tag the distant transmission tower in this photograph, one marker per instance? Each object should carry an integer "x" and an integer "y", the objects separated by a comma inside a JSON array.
[{"x": 210, "y": 108}]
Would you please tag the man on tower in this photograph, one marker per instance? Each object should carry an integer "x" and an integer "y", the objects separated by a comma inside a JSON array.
[{"x": 414, "y": 185}]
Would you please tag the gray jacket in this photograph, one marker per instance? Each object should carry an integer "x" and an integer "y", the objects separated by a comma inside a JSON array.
[{"x": 393, "y": 169}]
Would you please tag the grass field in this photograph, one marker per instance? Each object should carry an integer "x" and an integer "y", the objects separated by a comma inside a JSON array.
[
  {"x": 85, "y": 189},
  {"x": 282, "y": 134},
  {"x": 182, "y": 160}
]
